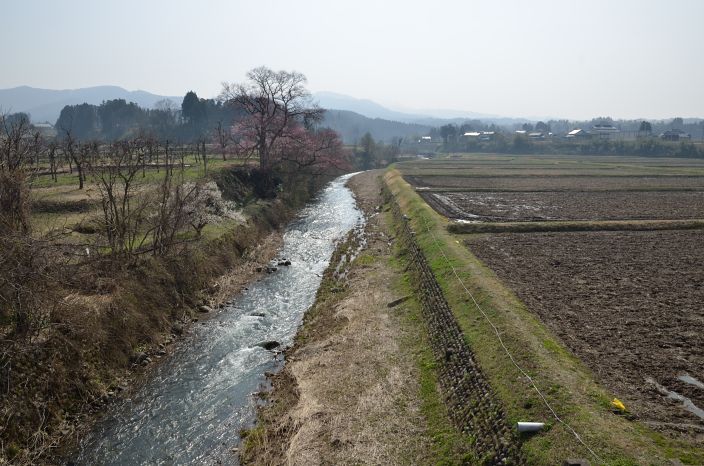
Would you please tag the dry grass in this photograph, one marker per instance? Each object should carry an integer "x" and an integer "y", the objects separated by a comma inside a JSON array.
[{"x": 350, "y": 392}]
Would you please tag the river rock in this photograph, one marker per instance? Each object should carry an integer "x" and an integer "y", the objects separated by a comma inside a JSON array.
[
  {"x": 284, "y": 262},
  {"x": 177, "y": 328},
  {"x": 205, "y": 309},
  {"x": 269, "y": 344},
  {"x": 257, "y": 314},
  {"x": 139, "y": 357}
]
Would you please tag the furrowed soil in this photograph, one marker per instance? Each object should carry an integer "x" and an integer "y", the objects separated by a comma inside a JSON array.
[
  {"x": 536, "y": 206},
  {"x": 350, "y": 390},
  {"x": 629, "y": 304}
]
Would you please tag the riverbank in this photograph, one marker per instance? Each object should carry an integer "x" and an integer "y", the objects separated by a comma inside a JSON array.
[
  {"x": 114, "y": 322},
  {"x": 187, "y": 410},
  {"x": 359, "y": 385}
]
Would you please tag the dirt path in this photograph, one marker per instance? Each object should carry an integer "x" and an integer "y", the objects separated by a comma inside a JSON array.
[{"x": 349, "y": 393}]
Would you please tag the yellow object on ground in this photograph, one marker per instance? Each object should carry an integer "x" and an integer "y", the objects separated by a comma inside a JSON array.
[{"x": 616, "y": 403}]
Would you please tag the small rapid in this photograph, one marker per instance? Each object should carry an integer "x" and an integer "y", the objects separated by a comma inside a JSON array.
[{"x": 192, "y": 408}]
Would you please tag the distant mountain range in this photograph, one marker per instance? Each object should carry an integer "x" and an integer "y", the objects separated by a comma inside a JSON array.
[
  {"x": 435, "y": 117},
  {"x": 46, "y": 104}
]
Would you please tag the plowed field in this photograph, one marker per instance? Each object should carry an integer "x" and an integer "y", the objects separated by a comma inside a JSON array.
[{"x": 629, "y": 304}]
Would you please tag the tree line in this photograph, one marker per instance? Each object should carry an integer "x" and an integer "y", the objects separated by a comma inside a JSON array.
[
  {"x": 118, "y": 119},
  {"x": 511, "y": 143}
]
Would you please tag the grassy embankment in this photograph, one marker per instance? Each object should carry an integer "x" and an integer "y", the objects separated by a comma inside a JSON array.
[
  {"x": 108, "y": 309},
  {"x": 449, "y": 447},
  {"x": 563, "y": 379},
  {"x": 432, "y": 439}
]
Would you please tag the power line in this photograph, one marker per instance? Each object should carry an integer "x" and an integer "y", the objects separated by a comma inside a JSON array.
[{"x": 501, "y": 341}]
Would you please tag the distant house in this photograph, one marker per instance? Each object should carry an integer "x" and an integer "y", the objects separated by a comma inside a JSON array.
[
  {"x": 479, "y": 135},
  {"x": 675, "y": 135},
  {"x": 605, "y": 131},
  {"x": 577, "y": 133},
  {"x": 487, "y": 135},
  {"x": 425, "y": 139},
  {"x": 536, "y": 135},
  {"x": 521, "y": 131}
]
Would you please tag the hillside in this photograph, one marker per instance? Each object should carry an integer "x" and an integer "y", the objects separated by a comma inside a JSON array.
[
  {"x": 46, "y": 104},
  {"x": 352, "y": 126}
]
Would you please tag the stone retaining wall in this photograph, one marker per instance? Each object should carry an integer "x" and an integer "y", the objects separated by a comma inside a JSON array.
[{"x": 472, "y": 404}]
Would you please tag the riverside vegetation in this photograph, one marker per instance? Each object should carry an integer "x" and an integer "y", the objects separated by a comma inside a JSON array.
[{"x": 98, "y": 277}]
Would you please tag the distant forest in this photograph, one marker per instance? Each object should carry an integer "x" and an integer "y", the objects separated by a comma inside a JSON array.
[
  {"x": 198, "y": 119},
  {"x": 117, "y": 119}
]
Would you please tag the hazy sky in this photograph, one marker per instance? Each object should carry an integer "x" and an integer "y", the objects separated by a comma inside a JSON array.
[{"x": 562, "y": 58}]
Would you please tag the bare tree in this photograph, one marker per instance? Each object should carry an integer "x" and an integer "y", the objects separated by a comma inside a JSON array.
[
  {"x": 200, "y": 147},
  {"x": 275, "y": 102},
  {"x": 178, "y": 207},
  {"x": 19, "y": 146},
  {"x": 75, "y": 153},
  {"x": 138, "y": 218},
  {"x": 51, "y": 150},
  {"x": 222, "y": 137},
  {"x": 124, "y": 213}
]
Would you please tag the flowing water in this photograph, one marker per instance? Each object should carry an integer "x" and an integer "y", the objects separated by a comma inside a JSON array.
[{"x": 193, "y": 406}]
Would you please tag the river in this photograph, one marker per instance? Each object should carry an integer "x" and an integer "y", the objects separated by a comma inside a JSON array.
[{"x": 193, "y": 406}]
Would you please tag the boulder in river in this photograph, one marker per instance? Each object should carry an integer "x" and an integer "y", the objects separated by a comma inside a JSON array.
[
  {"x": 205, "y": 309},
  {"x": 269, "y": 345}
]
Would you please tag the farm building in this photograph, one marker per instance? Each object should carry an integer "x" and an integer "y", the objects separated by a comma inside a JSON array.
[
  {"x": 577, "y": 133},
  {"x": 479, "y": 135},
  {"x": 675, "y": 135},
  {"x": 605, "y": 131}
]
